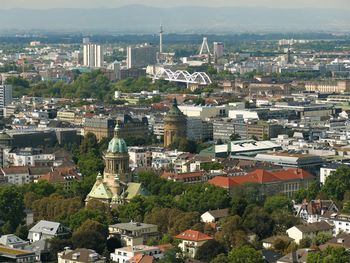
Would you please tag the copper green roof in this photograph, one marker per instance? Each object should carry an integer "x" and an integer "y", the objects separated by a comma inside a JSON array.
[
  {"x": 117, "y": 145},
  {"x": 100, "y": 190}
]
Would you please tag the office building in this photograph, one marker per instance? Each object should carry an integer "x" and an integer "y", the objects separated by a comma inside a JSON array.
[
  {"x": 5, "y": 95},
  {"x": 218, "y": 50},
  {"x": 141, "y": 56},
  {"x": 93, "y": 56}
]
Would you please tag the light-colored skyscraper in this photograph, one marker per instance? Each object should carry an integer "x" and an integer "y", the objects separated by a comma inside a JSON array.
[
  {"x": 93, "y": 56},
  {"x": 141, "y": 56},
  {"x": 5, "y": 95},
  {"x": 218, "y": 50}
]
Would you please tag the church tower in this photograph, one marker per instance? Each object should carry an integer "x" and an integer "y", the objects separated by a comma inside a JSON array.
[{"x": 174, "y": 125}]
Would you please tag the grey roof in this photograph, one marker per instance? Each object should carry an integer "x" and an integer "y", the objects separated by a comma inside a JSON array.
[
  {"x": 132, "y": 226},
  {"x": 48, "y": 228},
  {"x": 314, "y": 227},
  {"x": 219, "y": 213},
  {"x": 10, "y": 240}
]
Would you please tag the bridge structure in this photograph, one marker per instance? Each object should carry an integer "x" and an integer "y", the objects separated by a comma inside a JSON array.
[{"x": 183, "y": 76}]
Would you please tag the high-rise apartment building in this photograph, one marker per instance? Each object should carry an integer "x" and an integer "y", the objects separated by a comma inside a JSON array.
[
  {"x": 93, "y": 56},
  {"x": 218, "y": 50},
  {"x": 5, "y": 95},
  {"x": 141, "y": 56}
]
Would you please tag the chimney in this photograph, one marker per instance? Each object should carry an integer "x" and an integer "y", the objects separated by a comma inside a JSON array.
[{"x": 294, "y": 256}]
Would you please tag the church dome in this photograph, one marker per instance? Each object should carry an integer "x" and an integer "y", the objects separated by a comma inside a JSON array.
[
  {"x": 117, "y": 145},
  {"x": 174, "y": 111}
]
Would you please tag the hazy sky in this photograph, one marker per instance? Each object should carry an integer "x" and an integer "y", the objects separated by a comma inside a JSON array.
[{"x": 338, "y": 4}]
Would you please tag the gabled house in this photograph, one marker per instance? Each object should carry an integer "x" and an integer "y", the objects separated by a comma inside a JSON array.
[
  {"x": 191, "y": 240},
  {"x": 212, "y": 216},
  {"x": 46, "y": 230},
  {"x": 315, "y": 210},
  {"x": 191, "y": 177},
  {"x": 299, "y": 232}
]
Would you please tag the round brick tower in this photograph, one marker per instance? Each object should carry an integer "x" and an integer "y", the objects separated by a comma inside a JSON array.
[{"x": 174, "y": 125}]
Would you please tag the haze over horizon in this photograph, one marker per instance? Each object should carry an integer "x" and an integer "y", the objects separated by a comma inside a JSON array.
[{"x": 45, "y": 4}]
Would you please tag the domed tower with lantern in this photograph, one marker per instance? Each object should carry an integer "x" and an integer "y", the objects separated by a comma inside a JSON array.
[{"x": 116, "y": 186}]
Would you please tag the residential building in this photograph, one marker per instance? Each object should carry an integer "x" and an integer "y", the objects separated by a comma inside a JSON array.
[
  {"x": 17, "y": 175},
  {"x": 327, "y": 169},
  {"x": 341, "y": 222},
  {"x": 44, "y": 230},
  {"x": 341, "y": 240},
  {"x": 191, "y": 240},
  {"x": 268, "y": 243},
  {"x": 93, "y": 56},
  {"x": 298, "y": 256},
  {"x": 299, "y": 232},
  {"x": 64, "y": 176},
  {"x": 315, "y": 210},
  {"x": 12, "y": 241},
  {"x": 204, "y": 112},
  {"x": 140, "y": 157},
  {"x": 125, "y": 254},
  {"x": 134, "y": 233},
  {"x": 190, "y": 177},
  {"x": 141, "y": 56},
  {"x": 213, "y": 216},
  {"x": 16, "y": 255},
  {"x": 79, "y": 255},
  {"x": 5, "y": 95},
  {"x": 28, "y": 156}
]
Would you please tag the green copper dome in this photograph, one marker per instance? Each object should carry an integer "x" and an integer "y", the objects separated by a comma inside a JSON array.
[{"x": 117, "y": 145}]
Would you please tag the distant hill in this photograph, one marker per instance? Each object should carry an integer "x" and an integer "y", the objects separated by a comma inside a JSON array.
[{"x": 144, "y": 19}]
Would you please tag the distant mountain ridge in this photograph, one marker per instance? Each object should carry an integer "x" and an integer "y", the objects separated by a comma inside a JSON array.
[{"x": 189, "y": 19}]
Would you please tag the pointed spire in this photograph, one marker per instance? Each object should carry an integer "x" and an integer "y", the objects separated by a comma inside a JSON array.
[{"x": 174, "y": 102}]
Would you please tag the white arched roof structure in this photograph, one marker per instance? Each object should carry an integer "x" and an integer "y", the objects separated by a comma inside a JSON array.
[{"x": 184, "y": 76}]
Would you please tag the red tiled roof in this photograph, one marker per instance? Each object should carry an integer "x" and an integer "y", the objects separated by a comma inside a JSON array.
[
  {"x": 223, "y": 181},
  {"x": 165, "y": 247},
  {"x": 293, "y": 173},
  {"x": 61, "y": 174},
  {"x": 261, "y": 176},
  {"x": 140, "y": 258},
  {"x": 193, "y": 235}
]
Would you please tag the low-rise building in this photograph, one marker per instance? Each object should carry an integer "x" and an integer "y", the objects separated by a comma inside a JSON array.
[
  {"x": 140, "y": 157},
  {"x": 212, "y": 216},
  {"x": 80, "y": 255},
  {"x": 134, "y": 233},
  {"x": 125, "y": 254},
  {"x": 309, "y": 230},
  {"x": 191, "y": 240},
  {"x": 8, "y": 254},
  {"x": 13, "y": 241},
  {"x": 44, "y": 230}
]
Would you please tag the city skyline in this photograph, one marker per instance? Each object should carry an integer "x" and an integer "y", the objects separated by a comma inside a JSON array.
[{"x": 43, "y": 4}]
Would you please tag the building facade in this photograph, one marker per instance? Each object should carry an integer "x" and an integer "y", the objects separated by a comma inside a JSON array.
[{"x": 93, "y": 56}]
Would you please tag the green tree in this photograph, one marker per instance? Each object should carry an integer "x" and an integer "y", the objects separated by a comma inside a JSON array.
[
  {"x": 91, "y": 235},
  {"x": 305, "y": 242},
  {"x": 337, "y": 183},
  {"x": 221, "y": 258},
  {"x": 89, "y": 144},
  {"x": 329, "y": 255},
  {"x": 245, "y": 254},
  {"x": 11, "y": 207},
  {"x": 279, "y": 203},
  {"x": 209, "y": 250}
]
